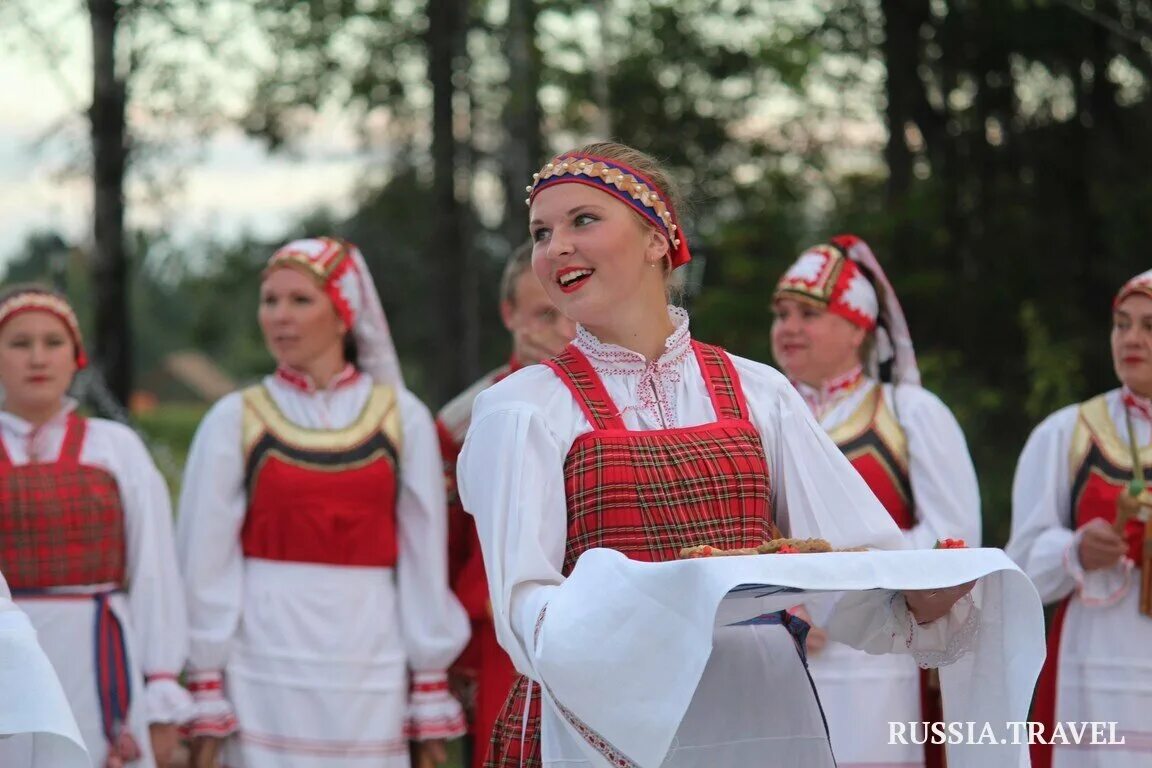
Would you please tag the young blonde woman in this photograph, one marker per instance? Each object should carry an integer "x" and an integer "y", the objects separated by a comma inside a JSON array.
[{"x": 640, "y": 439}]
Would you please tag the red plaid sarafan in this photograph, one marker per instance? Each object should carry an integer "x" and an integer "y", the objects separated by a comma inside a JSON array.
[
  {"x": 61, "y": 523},
  {"x": 648, "y": 494}
]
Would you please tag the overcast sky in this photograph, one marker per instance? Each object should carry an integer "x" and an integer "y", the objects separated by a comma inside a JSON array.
[{"x": 233, "y": 187}]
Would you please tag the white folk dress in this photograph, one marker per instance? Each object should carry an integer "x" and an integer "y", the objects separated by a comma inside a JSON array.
[
  {"x": 1104, "y": 649},
  {"x": 151, "y": 608},
  {"x": 862, "y": 693},
  {"x": 317, "y": 657},
  {"x": 511, "y": 479}
]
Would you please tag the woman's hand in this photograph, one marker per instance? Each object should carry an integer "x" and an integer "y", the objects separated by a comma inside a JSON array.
[
  {"x": 1100, "y": 547},
  {"x": 204, "y": 752},
  {"x": 164, "y": 737},
  {"x": 930, "y": 604},
  {"x": 431, "y": 753}
]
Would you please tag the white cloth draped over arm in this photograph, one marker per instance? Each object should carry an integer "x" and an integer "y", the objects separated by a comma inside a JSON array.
[
  {"x": 817, "y": 493},
  {"x": 434, "y": 626},
  {"x": 155, "y": 590},
  {"x": 945, "y": 493}
]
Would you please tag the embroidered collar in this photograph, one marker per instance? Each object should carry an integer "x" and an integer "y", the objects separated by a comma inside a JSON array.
[
  {"x": 1141, "y": 407},
  {"x": 821, "y": 399},
  {"x": 609, "y": 359},
  {"x": 656, "y": 380},
  {"x": 303, "y": 382}
]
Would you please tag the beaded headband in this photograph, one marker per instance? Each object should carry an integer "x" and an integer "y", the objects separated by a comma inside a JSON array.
[
  {"x": 38, "y": 301},
  {"x": 622, "y": 182}
]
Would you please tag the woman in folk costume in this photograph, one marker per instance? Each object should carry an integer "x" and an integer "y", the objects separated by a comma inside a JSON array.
[
  {"x": 86, "y": 546},
  {"x": 312, "y": 536},
  {"x": 1079, "y": 529},
  {"x": 840, "y": 336},
  {"x": 640, "y": 439}
]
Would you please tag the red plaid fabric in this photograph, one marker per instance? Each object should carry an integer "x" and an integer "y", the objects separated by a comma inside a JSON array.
[
  {"x": 648, "y": 494},
  {"x": 61, "y": 523}
]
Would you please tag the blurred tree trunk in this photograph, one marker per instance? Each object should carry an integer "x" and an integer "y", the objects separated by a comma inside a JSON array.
[
  {"x": 524, "y": 148},
  {"x": 112, "y": 346},
  {"x": 448, "y": 256}
]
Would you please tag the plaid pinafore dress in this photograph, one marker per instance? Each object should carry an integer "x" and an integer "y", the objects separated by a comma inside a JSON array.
[
  {"x": 62, "y": 537},
  {"x": 648, "y": 494}
]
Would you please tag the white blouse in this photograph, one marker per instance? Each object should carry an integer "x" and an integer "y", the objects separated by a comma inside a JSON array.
[
  {"x": 213, "y": 505},
  {"x": 155, "y": 594}
]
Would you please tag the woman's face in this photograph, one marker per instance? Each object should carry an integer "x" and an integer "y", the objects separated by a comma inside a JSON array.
[
  {"x": 1132, "y": 343},
  {"x": 593, "y": 254},
  {"x": 813, "y": 345},
  {"x": 37, "y": 362},
  {"x": 300, "y": 324}
]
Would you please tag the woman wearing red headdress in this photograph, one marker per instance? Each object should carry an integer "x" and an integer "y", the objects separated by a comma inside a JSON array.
[
  {"x": 641, "y": 440},
  {"x": 86, "y": 546},
  {"x": 840, "y": 336},
  {"x": 1080, "y": 505},
  {"x": 312, "y": 535}
]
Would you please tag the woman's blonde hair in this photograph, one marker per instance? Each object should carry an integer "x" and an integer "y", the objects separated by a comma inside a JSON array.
[{"x": 667, "y": 188}]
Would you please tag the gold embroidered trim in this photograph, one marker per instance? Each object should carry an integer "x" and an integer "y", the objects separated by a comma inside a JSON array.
[
  {"x": 625, "y": 182},
  {"x": 874, "y": 412},
  {"x": 261, "y": 414},
  {"x": 1094, "y": 425}
]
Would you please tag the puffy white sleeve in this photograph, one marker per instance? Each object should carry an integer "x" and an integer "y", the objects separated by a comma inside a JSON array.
[
  {"x": 510, "y": 477},
  {"x": 211, "y": 514},
  {"x": 1043, "y": 535},
  {"x": 817, "y": 493},
  {"x": 434, "y": 626},
  {"x": 945, "y": 492},
  {"x": 155, "y": 591}
]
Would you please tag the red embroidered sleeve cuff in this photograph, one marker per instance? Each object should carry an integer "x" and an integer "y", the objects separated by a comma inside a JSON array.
[
  {"x": 433, "y": 713},
  {"x": 213, "y": 715}
]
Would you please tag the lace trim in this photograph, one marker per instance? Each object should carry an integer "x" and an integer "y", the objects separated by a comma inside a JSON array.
[
  {"x": 959, "y": 643},
  {"x": 658, "y": 380}
]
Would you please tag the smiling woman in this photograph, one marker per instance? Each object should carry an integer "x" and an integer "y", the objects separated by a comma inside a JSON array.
[
  {"x": 86, "y": 545},
  {"x": 640, "y": 439}
]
